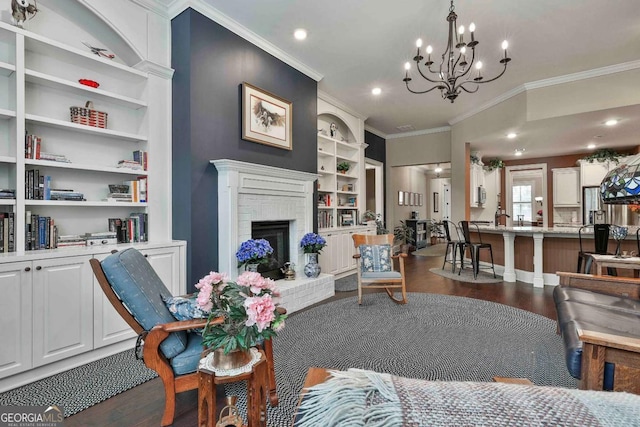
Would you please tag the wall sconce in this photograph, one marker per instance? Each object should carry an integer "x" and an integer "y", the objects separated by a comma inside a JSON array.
[{"x": 538, "y": 200}]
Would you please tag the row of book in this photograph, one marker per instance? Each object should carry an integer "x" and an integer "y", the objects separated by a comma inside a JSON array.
[
  {"x": 7, "y": 232},
  {"x": 325, "y": 219},
  {"x": 40, "y": 232},
  {"x": 33, "y": 150},
  {"x": 324, "y": 199},
  {"x": 133, "y": 229},
  {"x": 137, "y": 193}
]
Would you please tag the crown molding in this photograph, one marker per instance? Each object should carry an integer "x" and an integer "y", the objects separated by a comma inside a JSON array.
[
  {"x": 337, "y": 103},
  {"x": 155, "y": 69},
  {"x": 375, "y": 131},
  {"x": 178, "y": 6},
  {"x": 156, "y": 6},
  {"x": 582, "y": 75},
  {"x": 538, "y": 84},
  {"x": 419, "y": 132}
]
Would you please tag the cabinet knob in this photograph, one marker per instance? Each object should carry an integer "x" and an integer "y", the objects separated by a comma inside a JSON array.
[
  {"x": 38, "y": 268},
  {"x": 146, "y": 255},
  {"x": 27, "y": 269}
]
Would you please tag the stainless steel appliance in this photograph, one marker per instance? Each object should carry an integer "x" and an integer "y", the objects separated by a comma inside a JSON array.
[{"x": 482, "y": 195}]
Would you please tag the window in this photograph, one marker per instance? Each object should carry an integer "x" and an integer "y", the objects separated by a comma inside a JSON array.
[{"x": 522, "y": 202}]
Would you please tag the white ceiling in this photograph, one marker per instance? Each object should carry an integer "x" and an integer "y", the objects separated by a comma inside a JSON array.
[{"x": 357, "y": 45}]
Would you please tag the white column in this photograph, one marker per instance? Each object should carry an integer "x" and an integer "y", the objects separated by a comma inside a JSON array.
[
  {"x": 509, "y": 263},
  {"x": 538, "y": 279}
]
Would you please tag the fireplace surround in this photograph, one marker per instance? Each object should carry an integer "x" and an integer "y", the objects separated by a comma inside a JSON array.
[{"x": 248, "y": 193}]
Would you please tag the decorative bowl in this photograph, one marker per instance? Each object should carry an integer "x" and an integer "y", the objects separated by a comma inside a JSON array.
[
  {"x": 118, "y": 188},
  {"x": 87, "y": 82}
]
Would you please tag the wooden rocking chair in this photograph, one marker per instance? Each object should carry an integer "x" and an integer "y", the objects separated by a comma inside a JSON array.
[{"x": 375, "y": 269}]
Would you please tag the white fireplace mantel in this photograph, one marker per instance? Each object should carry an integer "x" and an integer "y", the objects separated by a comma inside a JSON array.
[{"x": 250, "y": 192}]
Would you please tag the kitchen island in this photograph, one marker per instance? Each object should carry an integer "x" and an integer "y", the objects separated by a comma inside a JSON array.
[{"x": 535, "y": 254}]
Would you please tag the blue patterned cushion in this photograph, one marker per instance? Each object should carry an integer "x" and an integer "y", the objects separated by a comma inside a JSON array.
[
  {"x": 185, "y": 307},
  {"x": 375, "y": 258},
  {"x": 142, "y": 292}
]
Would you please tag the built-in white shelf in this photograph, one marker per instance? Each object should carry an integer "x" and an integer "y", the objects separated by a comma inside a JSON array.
[
  {"x": 325, "y": 207},
  {"x": 348, "y": 159},
  {"x": 323, "y": 172},
  {"x": 80, "y": 166},
  {"x": 88, "y": 203},
  {"x": 6, "y": 69},
  {"x": 325, "y": 153},
  {"x": 7, "y": 159},
  {"x": 45, "y": 121},
  {"x": 7, "y": 202},
  {"x": 7, "y": 114},
  {"x": 348, "y": 193},
  {"x": 67, "y": 85}
]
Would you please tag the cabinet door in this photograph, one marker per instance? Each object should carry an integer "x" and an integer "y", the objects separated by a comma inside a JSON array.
[
  {"x": 346, "y": 245},
  {"x": 329, "y": 256},
  {"x": 477, "y": 180},
  {"x": 108, "y": 326},
  {"x": 592, "y": 174},
  {"x": 166, "y": 262},
  {"x": 566, "y": 187},
  {"x": 15, "y": 318},
  {"x": 62, "y": 308}
]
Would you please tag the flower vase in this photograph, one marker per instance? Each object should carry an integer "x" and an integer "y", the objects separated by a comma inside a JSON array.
[
  {"x": 312, "y": 268},
  {"x": 233, "y": 360},
  {"x": 251, "y": 267}
]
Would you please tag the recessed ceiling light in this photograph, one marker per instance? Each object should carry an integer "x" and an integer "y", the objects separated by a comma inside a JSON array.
[
  {"x": 300, "y": 34},
  {"x": 511, "y": 135},
  {"x": 519, "y": 151},
  {"x": 438, "y": 169},
  {"x": 376, "y": 91},
  {"x": 591, "y": 146},
  {"x": 611, "y": 122}
]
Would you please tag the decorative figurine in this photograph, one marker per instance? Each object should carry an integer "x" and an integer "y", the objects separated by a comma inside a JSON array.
[
  {"x": 333, "y": 128},
  {"x": 21, "y": 10},
  {"x": 99, "y": 51}
]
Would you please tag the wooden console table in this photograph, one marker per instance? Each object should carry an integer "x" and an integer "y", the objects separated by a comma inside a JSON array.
[{"x": 257, "y": 392}]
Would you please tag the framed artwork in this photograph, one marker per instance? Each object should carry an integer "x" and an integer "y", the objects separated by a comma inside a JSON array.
[
  {"x": 420, "y": 199},
  {"x": 412, "y": 199},
  {"x": 400, "y": 198},
  {"x": 436, "y": 202},
  {"x": 406, "y": 198},
  {"x": 266, "y": 118}
]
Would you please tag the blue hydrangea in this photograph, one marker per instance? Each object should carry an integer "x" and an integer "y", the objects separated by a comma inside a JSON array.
[
  {"x": 253, "y": 251},
  {"x": 312, "y": 243}
]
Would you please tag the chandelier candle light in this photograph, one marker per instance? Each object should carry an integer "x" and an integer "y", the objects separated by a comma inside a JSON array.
[{"x": 454, "y": 71}]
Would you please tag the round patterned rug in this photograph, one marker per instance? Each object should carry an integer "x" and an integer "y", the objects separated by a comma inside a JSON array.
[{"x": 434, "y": 337}]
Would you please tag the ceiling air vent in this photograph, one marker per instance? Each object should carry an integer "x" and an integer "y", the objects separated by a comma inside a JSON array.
[{"x": 405, "y": 128}]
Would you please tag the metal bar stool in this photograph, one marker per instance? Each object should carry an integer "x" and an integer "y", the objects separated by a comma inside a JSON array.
[
  {"x": 453, "y": 244},
  {"x": 475, "y": 248}
]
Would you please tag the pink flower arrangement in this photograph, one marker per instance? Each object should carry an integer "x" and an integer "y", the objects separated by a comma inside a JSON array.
[{"x": 247, "y": 306}]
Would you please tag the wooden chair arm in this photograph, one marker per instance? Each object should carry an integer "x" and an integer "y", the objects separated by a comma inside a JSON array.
[
  {"x": 609, "y": 340},
  {"x": 612, "y": 285},
  {"x": 185, "y": 325},
  {"x": 356, "y": 256},
  {"x": 401, "y": 254}
]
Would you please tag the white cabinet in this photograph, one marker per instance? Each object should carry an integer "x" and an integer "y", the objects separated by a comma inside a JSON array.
[
  {"x": 337, "y": 257},
  {"x": 15, "y": 317},
  {"x": 592, "y": 174},
  {"x": 62, "y": 308},
  {"x": 566, "y": 187},
  {"x": 477, "y": 181}
]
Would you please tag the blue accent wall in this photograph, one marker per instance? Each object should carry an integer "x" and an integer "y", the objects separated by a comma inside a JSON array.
[{"x": 211, "y": 63}]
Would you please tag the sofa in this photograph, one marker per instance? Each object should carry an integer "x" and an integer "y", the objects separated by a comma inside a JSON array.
[{"x": 599, "y": 320}]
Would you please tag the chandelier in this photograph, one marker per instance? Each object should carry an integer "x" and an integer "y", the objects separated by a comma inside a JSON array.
[{"x": 454, "y": 73}]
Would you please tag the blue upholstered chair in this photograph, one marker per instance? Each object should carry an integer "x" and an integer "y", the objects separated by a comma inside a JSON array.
[
  {"x": 171, "y": 348},
  {"x": 376, "y": 269}
]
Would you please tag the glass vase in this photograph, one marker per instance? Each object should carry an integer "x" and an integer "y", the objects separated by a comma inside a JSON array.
[{"x": 312, "y": 268}]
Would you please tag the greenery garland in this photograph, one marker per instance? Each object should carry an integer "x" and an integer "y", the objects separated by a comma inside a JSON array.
[{"x": 603, "y": 155}]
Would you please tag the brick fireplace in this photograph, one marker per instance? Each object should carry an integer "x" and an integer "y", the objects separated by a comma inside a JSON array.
[{"x": 249, "y": 193}]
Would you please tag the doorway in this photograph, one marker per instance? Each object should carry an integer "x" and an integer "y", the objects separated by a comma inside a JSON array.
[
  {"x": 374, "y": 197},
  {"x": 526, "y": 194}
]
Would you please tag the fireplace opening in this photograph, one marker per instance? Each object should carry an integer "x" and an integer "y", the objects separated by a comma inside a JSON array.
[{"x": 277, "y": 234}]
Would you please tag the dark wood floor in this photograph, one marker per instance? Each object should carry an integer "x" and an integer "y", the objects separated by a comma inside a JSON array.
[{"x": 143, "y": 405}]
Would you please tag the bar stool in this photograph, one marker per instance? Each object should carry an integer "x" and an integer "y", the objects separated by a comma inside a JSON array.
[
  {"x": 453, "y": 244},
  {"x": 600, "y": 246},
  {"x": 475, "y": 247}
]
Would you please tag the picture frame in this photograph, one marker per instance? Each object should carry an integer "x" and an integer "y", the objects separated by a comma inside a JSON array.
[
  {"x": 406, "y": 198},
  {"x": 412, "y": 199},
  {"x": 436, "y": 201},
  {"x": 266, "y": 118},
  {"x": 420, "y": 199},
  {"x": 400, "y": 198}
]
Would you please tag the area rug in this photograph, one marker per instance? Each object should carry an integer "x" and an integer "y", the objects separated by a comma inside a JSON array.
[
  {"x": 467, "y": 275},
  {"x": 433, "y": 250},
  {"x": 84, "y": 386},
  {"x": 434, "y": 337},
  {"x": 347, "y": 283}
]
